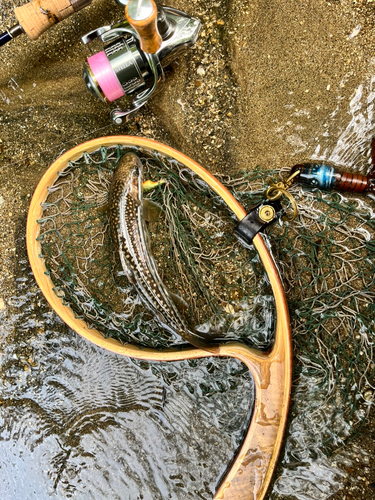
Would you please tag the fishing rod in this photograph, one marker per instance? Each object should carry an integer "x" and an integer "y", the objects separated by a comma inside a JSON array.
[
  {"x": 135, "y": 51},
  {"x": 37, "y": 16},
  {"x": 327, "y": 177}
]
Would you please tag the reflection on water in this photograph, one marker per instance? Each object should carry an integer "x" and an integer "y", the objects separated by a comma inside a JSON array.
[
  {"x": 352, "y": 150},
  {"x": 307, "y": 472},
  {"x": 79, "y": 422}
]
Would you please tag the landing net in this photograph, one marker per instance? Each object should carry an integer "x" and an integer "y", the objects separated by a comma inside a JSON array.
[
  {"x": 326, "y": 258},
  {"x": 198, "y": 257}
]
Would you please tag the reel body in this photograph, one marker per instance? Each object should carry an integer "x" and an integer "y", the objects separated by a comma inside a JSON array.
[{"x": 124, "y": 69}]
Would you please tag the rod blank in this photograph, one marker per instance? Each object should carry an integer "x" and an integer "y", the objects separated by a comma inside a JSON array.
[{"x": 5, "y": 38}]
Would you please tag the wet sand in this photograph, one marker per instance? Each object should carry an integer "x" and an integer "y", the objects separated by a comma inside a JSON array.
[{"x": 266, "y": 84}]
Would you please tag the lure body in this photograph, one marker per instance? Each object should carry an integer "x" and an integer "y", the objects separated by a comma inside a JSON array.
[
  {"x": 131, "y": 238},
  {"x": 327, "y": 177}
]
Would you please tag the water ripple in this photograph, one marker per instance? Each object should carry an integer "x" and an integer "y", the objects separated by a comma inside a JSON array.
[
  {"x": 352, "y": 150},
  {"x": 79, "y": 422}
]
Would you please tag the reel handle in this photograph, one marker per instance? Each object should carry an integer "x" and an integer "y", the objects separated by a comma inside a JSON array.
[{"x": 142, "y": 16}]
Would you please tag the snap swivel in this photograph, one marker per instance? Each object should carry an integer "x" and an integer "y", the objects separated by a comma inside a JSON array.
[{"x": 276, "y": 191}]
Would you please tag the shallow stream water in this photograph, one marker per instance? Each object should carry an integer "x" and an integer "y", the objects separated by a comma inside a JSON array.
[
  {"x": 282, "y": 82},
  {"x": 79, "y": 422}
]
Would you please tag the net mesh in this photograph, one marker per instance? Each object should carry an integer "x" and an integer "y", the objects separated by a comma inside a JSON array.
[
  {"x": 326, "y": 259},
  {"x": 198, "y": 257}
]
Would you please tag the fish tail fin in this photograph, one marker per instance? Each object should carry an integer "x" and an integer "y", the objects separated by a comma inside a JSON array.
[{"x": 200, "y": 342}]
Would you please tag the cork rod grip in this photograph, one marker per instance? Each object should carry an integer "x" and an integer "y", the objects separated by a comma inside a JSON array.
[
  {"x": 37, "y": 16},
  {"x": 142, "y": 16}
]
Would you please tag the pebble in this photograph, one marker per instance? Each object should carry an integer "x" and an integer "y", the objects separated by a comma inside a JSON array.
[
  {"x": 201, "y": 71},
  {"x": 2, "y": 304},
  {"x": 355, "y": 32},
  {"x": 229, "y": 309},
  {"x": 368, "y": 395},
  {"x": 182, "y": 104}
]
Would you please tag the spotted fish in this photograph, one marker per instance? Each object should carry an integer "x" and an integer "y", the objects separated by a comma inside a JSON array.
[{"x": 127, "y": 214}]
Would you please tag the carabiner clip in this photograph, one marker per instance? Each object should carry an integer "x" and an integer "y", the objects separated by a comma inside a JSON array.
[{"x": 276, "y": 191}]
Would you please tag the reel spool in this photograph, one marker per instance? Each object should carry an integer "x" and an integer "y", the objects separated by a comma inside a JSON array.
[
  {"x": 251, "y": 470},
  {"x": 135, "y": 53}
]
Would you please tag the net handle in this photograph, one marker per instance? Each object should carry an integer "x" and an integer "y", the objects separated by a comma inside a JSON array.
[{"x": 252, "y": 468}]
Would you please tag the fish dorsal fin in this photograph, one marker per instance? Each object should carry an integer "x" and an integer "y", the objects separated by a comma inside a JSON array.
[
  {"x": 179, "y": 302},
  {"x": 151, "y": 210}
]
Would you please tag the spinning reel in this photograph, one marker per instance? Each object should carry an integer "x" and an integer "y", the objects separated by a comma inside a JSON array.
[{"x": 135, "y": 53}]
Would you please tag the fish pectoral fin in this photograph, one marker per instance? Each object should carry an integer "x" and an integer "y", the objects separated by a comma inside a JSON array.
[
  {"x": 104, "y": 208},
  {"x": 129, "y": 275},
  {"x": 127, "y": 269},
  {"x": 160, "y": 318},
  {"x": 179, "y": 302},
  {"x": 151, "y": 210}
]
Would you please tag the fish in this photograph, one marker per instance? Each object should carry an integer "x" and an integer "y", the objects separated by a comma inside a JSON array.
[{"x": 128, "y": 211}]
